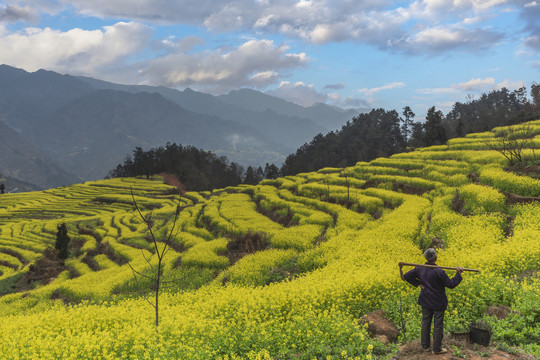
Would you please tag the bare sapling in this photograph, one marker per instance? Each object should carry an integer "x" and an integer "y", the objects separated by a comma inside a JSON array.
[{"x": 161, "y": 248}]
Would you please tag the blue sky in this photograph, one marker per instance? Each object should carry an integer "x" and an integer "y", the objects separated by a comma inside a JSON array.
[{"x": 349, "y": 53}]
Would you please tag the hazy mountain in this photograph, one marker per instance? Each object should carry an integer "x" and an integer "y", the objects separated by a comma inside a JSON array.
[
  {"x": 92, "y": 134},
  {"x": 328, "y": 117},
  {"x": 270, "y": 120},
  {"x": 61, "y": 125},
  {"x": 26, "y": 98},
  {"x": 20, "y": 160},
  {"x": 15, "y": 185}
]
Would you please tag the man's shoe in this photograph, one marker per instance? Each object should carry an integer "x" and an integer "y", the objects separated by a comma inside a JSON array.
[
  {"x": 442, "y": 351},
  {"x": 426, "y": 349}
]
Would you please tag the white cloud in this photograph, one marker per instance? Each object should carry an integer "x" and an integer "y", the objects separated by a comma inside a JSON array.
[
  {"x": 14, "y": 13},
  {"x": 440, "y": 39},
  {"x": 530, "y": 13},
  {"x": 174, "y": 44},
  {"x": 437, "y": 91},
  {"x": 533, "y": 42},
  {"x": 476, "y": 84},
  {"x": 264, "y": 78},
  {"x": 370, "y": 92},
  {"x": 255, "y": 63},
  {"x": 325, "y": 33},
  {"x": 442, "y": 9},
  {"x": 510, "y": 84},
  {"x": 76, "y": 51},
  {"x": 229, "y": 18},
  {"x": 307, "y": 95},
  {"x": 337, "y": 86},
  {"x": 299, "y": 93},
  {"x": 348, "y": 102},
  {"x": 415, "y": 27},
  {"x": 51, "y": 7}
]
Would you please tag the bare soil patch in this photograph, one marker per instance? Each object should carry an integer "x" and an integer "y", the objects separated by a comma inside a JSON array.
[
  {"x": 245, "y": 244},
  {"x": 172, "y": 180},
  {"x": 500, "y": 311},
  {"x": 379, "y": 327},
  {"x": 457, "y": 349},
  {"x": 526, "y": 169},
  {"x": 44, "y": 271}
]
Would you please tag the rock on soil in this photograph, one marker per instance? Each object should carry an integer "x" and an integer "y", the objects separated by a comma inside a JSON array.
[{"x": 380, "y": 328}]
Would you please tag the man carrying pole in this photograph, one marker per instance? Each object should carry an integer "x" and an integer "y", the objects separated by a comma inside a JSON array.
[{"x": 432, "y": 280}]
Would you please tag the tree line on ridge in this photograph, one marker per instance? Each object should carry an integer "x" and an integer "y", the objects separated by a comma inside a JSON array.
[
  {"x": 379, "y": 133},
  {"x": 196, "y": 169}
]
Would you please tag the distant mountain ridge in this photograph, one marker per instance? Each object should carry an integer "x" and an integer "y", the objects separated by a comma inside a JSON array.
[
  {"x": 20, "y": 159},
  {"x": 83, "y": 127}
]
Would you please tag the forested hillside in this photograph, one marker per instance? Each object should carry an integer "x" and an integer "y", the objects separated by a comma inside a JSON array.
[
  {"x": 283, "y": 269},
  {"x": 383, "y": 132},
  {"x": 196, "y": 169}
]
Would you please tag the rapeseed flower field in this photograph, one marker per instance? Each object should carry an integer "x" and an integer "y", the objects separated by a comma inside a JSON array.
[{"x": 280, "y": 270}]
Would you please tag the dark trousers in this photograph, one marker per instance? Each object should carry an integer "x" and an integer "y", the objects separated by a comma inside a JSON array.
[{"x": 438, "y": 325}]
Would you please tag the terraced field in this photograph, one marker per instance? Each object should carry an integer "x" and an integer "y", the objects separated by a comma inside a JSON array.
[{"x": 280, "y": 270}]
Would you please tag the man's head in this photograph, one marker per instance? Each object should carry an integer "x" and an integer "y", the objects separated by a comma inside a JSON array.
[{"x": 430, "y": 255}]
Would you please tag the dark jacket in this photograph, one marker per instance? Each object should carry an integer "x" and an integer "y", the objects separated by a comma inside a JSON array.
[{"x": 435, "y": 281}]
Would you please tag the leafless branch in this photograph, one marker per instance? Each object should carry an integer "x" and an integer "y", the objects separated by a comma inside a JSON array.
[{"x": 157, "y": 280}]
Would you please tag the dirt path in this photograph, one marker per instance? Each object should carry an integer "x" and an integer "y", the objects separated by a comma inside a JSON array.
[
  {"x": 172, "y": 180},
  {"x": 457, "y": 349}
]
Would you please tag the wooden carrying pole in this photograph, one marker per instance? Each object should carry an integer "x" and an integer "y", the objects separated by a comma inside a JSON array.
[
  {"x": 401, "y": 264},
  {"x": 435, "y": 266}
]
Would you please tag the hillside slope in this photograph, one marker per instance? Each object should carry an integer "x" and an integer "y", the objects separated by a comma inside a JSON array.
[
  {"x": 280, "y": 270},
  {"x": 94, "y": 133},
  {"x": 20, "y": 159}
]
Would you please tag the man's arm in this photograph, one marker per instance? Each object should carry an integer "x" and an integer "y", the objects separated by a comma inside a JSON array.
[
  {"x": 411, "y": 277},
  {"x": 453, "y": 282}
]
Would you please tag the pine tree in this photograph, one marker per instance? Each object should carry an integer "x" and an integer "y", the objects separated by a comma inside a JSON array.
[
  {"x": 62, "y": 241},
  {"x": 434, "y": 134},
  {"x": 271, "y": 171},
  {"x": 407, "y": 122},
  {"x": 251, "y": 176}
]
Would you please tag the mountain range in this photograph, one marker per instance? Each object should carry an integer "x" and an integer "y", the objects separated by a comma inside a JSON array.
[{"x": 61, "y": 129}]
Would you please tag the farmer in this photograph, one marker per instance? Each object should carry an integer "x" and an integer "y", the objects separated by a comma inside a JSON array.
[{"x": 432, "y": 298}]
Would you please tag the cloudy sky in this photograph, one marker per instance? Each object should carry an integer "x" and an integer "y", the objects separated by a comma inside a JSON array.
[{"x": 350, "y": 53}]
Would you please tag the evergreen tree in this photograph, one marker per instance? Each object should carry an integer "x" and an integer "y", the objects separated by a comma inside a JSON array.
[
  {"x": 417, "y": 135},
  {"x": 434, "y": 132},
  {"x": 366, "y": 137},
  {"x": 259, "y": 173},
  {"x": 251, "y": 177},
  {"x": 407, "y": 122},
  {"x": 496, "y": 108},
  {"x": 196, "y": 169},
  {"x": 535, "y": 95},
  {"x": 62, "y": 241},
  {"x": 271, "y": 171}
]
